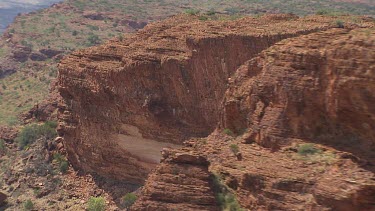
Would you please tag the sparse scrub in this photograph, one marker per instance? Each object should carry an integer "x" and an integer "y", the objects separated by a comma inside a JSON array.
[
  {"x": 64, "y": 166},
  {"x": 228, "y": 131},
  {"x": 340, "y": 24},
  {"x": 192, "y": 11},
  {"x": 93, "y": 39},
  {"x": 311, "y": 154},
  {"x": 234, "y": 148},
  {"x": 28, "y": 205},
  {"x": 96, "y": 204},
  {"x": 224, "y": 197},
  {"x": 94, "y": 28},
  {"x": 203, "y": 18},
  {"x": 306, "y": 149},
  {"x": 2, "y": 145},
  {"x": 62, "y": 162},
  {"x": 129, "y": 199},
  {"x": 211, "y": 12},
  {"x": 31, "y": 133},
  {"x": 322, "y": 12}
]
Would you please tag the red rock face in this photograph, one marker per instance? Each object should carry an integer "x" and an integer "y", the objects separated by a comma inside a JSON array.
[
  {"x": 167, "y": 80},
  {"x": 181, "y": 182},
  {"x": 182, "y": 78},
  {"x": 318, "y": 87}
]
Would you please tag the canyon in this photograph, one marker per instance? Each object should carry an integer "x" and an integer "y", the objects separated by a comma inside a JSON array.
[
  {"x": 276, "y": 109},
  {"x": 225, "y": 105}
]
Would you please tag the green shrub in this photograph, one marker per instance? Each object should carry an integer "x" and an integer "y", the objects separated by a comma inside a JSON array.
[
  {"x": 211, "y": 12},
  {"x": 96, "y": 204},
  {"x": 305, "y": 149},
  {"x": 28, "y": 205},
  {"x": 323, "y": 12},
  {"x": 58, "y": 157},
  {"x": 93, "y": 39},
  {"x": 121, "y": 37},
  {"x": 31, "y": 133},
  {"x": 228, "y": 132},
  {"x": 2, "y": 145},
  {"x": 192, "y": 11},
  {"x": 234, "y": 148},
  {"x": 339, "y": 24},
  {"x": 64, "y": 165},
  {"x": 224, "y": 197},
  {"x": 94, "y": 28},
  {"x": 203, "y": 18},
  {"x": 74, "y": 33},
  {"x": 129, "y": 199}
]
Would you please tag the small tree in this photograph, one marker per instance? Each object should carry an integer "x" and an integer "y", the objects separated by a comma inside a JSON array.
[
  {"x": 340, "y": 24},
  {"x": 96, "y": 204},
  {"x": 93, "y": 39},
  {"x": 64, "y": 165},
  {"x": 234, "y": 148},
  {"x": 28, "y": 205},
  {"x": 129, "y": 199},
  {"x": 228, "y": 132},
  {"x": 305, "y": 149}
]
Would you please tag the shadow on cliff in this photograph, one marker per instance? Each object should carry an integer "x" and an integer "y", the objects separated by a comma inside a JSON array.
[
  {"x": 356, "y": 148},
  {"x": 115, "y": 188}
]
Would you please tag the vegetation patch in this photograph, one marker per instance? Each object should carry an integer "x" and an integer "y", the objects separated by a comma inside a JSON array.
[
  {"x": 30, "y": 133},
  {"x": 28, "y": 205},
  {"x": 96, "y": 204},
  {"x": 62, "y": 162},
  {"x": 234, "y": 148},
  {"x": 128, "y": 200},
  {"x": 228, "y": 131},
  {"x": 192, "y": 11},
  {"x": 224, "y": 197},
  {"x": 340, "y": 24},
  {"x": 2, "y": 146},
  {"x": 306, "y": 149},
  {"x": 311, "y": 154}
]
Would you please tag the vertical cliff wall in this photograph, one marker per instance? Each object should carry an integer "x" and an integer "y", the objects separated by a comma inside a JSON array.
[
  {"x": 164, "y": 83},
  {"x": 315, "y": 88}
]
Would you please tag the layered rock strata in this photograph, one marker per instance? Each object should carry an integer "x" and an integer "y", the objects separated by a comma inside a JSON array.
[
  {"x": 164, "y": 83},
  {"x": 315, "y": 88},
  {"x": 318, "y": 87},
  {"x": 181, "y": 182}
]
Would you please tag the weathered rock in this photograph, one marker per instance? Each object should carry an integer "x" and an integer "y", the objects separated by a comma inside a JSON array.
[
  {"x": 178, "y": 184},
  {"x": 38, "y": 57},
  {"x": 167, "y": 81},
  {"x": 320, "y": 86},
  {"x": 50, "y": 52},
  {"x": 94, "y": 15},
  {"x": 21, "y": 53},
  {"x": 134, "y": 24},
  {"x": 162, "y": 85}
]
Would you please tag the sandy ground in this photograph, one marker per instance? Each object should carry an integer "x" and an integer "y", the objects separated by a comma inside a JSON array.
[{"x": 147, "y": 150}]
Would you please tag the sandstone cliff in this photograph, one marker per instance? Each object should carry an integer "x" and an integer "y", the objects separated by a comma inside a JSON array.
[
  {"x": 264, "y": 164},
  {"x": 166, "y": 82},
  {"x": 181, "y": 78}
]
